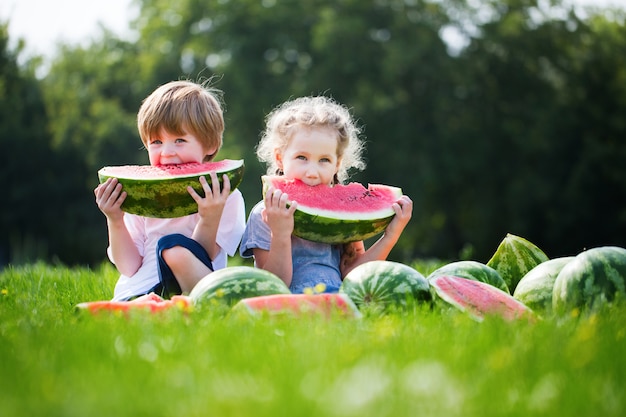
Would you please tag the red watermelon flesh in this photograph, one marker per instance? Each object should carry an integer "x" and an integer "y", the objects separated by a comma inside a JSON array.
[
  {"x": 352, "y": 198},
  {"x": 150, "y": 302},
  {"x": 479, "y": 299},
  {"x": 158, "y": 172},
  {"x": 327, "y": 305}
]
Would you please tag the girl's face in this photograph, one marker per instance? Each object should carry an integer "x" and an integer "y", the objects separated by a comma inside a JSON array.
[
  {"x": 310, "y": 156},
  {"x": 166, "y": 149}
]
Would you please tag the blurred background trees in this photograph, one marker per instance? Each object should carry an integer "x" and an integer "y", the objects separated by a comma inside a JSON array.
[{"x": 493, "y": 116}]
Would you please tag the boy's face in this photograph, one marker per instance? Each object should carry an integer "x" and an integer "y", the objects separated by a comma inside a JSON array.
[
  {"x": 167, "y": 148},
  {"x": 310, "y": 156}
]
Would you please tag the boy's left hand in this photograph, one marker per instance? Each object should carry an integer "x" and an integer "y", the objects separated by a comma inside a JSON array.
[{"x": 214, "y": 199}]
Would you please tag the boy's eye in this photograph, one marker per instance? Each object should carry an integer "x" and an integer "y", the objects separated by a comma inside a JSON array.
[
  {"x": 180, "y": 140},
  {"x": 155, "y": 142}
]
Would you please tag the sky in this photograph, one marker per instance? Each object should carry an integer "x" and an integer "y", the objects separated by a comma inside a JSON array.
[{"x": 44, "y": 23}]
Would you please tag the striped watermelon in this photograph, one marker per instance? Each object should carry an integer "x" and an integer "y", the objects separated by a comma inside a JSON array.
[
  {"x": 594, "y": 278},
  {"x": 514, "y": 257},
  {"x": 479, "y": 299},
  {"x": 161, "y": 191},
  {"x": 338, "y": 214},
  {"x": 536, "y": 287},
  {"x": 471, "y": 270},
  {"x": 326, "y": 305},
  {"x": 385, "y": 284},
  {"x": 230, "y": 285}
]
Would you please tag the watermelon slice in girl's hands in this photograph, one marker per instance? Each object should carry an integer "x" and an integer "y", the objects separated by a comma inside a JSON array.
[
  {"x": 326, "y": 305},
  {"x": 337, "y": 214},
  {"x": 479, "y": 299},
  {"x": 149, "y": 302}
]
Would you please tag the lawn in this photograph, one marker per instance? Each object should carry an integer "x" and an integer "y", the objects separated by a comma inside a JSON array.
[{"x": 424, "y": 362}]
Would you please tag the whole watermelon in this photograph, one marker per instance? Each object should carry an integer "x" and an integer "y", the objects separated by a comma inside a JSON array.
[
  {"x": 471, "y": 270},
  {"x": 592, "y": 279},
  {"x": 536, "y": 287},
  {"x": 229, "y": 285},
  {"x": 384, "y": 285}
]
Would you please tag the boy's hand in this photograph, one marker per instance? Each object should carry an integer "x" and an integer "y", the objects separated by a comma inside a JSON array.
[
  {"x": 277, "y": 215},
  {"x": 109, "y": 198},
  {"x": 214, "y": 200}
]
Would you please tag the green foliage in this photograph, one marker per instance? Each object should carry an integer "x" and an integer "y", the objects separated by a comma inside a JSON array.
[
  {"x": 521, "y": 131},
  {"x": 57, "y": 362}
]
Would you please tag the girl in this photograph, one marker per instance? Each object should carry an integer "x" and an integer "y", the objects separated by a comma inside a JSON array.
[
  {"x": 179, "y": 122},
  {"x": 312, "y": 139}
]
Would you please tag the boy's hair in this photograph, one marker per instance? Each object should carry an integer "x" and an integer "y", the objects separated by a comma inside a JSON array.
[
  {"x": 183, "y": 107},
  {"x": 316, "y": 111}
]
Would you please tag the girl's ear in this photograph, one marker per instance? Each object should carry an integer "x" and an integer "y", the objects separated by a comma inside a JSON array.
[{"x": 278, "y": 157}]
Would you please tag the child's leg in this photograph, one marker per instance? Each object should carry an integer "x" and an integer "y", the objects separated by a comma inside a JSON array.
[{"x": 182, "y": 263}]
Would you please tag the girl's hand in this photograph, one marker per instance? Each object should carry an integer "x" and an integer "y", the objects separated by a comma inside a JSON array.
[
  {"x": 404, "y": 209},
  {"x": 214, "y": 200},
  {"x": 277, "y": 215},
  {"x": 109, "y": 198}
]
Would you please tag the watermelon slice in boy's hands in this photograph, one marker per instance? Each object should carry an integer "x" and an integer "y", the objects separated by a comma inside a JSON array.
[{"x": 149, "y": 302}]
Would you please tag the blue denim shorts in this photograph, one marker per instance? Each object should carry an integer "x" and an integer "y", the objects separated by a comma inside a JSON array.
[{"x": 168, "y": 285}]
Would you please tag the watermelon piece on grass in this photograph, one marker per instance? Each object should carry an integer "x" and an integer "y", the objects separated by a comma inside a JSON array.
[
  {"x": 471, "y": 270},
  {"x": 337, "y": 214},
  {"x": 594, "y": 278},
  {"x": 479, "y": 299},
  {"x": 326, "y": 305},
  {"x": 152, "y": 303},
  {"x": 514, "y": 257},
  {"x": 161, "y": 191}
]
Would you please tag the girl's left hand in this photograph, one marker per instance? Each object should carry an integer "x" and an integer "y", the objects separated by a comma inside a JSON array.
[
  {"x": 214, "y": 199},
  {"x": 404, "y": 209}
]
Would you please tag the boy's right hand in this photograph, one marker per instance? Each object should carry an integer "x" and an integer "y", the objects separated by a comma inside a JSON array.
[
  {"x": 277, "y": 215},
  {"x": 109, "y": 198}
]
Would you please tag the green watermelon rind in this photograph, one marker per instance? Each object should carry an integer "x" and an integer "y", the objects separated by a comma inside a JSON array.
[
  {"x": 385, "y": 284},
  {"x": 168, "y": 197},
  {"x": 535, "y": 289},
  {"x": 229, "y": 285},
  {"x": 339, "y": 227},
  {"x": 472, "y": 270},
  {"x": 594, "y": 278},
  {"x": 514, "y": 257}
]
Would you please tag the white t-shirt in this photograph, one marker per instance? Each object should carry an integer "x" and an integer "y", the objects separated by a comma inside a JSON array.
[{"x": 147, "y": 231}]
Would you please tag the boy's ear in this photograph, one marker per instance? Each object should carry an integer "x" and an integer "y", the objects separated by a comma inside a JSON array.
[{"x": 209, "y": 154}]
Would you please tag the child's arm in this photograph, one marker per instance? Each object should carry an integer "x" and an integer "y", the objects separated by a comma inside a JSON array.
[
  {"x": 109, "y": 197},
  {"x": 279, "y": 218},
  {"x": 355, "y": 253},
  {"x": 210, "y": 209}
]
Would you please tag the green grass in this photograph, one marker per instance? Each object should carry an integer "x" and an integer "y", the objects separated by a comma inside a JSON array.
[{"x": 56, "y": 362}]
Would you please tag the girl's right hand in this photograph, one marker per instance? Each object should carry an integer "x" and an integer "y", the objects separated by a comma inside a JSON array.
[
  {"x": 109, "y": 198},
  {"x": 277, "y": 215}
]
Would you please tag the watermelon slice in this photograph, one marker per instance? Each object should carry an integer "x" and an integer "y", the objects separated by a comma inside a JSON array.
[
  {"x": 338, "y": 214},
  {"x": 327, "y": 305},
  {"x": 161, "y": 191},
  {"x": 150, "y": 302},
  {"x": 479, "y": 299}
]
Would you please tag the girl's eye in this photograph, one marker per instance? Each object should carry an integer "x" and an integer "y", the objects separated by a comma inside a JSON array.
[
  {"x": 325, "y": 160},
  {"x": 301, "y": 157}
]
